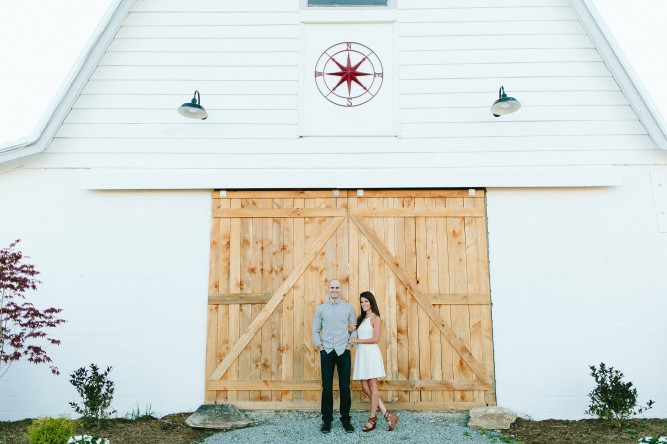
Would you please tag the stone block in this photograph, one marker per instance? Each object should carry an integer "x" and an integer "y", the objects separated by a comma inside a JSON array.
[
  {"x": 491, "y": 418},
  {"x": 218, "y": 417}
]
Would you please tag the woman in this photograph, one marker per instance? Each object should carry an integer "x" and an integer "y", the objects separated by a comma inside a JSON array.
[{"x": 368, "y": 365}]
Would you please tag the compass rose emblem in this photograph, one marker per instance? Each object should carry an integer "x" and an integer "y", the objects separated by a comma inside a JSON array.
[{"x": 348, "y": 74}]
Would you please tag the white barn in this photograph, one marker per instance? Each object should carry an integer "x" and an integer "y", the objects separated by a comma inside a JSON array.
[{"x": 544, "y": 231}]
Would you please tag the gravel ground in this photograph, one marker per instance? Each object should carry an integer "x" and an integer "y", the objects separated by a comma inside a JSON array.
[{"x": 298, "y": 426}]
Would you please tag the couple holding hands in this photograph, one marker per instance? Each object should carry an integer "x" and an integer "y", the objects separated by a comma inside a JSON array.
[{"x": 336, "y": 328}]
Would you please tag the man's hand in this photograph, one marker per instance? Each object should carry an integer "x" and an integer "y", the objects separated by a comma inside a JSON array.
[
  {"x": 320, "y": 348},
  {"x": 349, "y": 347}
]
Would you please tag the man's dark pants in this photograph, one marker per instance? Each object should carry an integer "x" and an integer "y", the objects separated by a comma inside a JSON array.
[{"x": 343, "y": 362}]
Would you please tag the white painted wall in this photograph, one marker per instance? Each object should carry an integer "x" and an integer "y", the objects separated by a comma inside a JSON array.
[
  {"x": 576, "y": 274},
  {"x": 577, "y": 278},
  {"x": 130, "y": 271}
]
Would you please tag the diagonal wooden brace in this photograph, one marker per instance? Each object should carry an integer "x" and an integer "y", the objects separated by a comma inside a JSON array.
[
  {"x": 423, "y": 300},
  {"x": 275, "y": 300}
]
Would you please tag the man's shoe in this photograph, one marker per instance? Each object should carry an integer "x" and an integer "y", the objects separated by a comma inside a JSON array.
[
  {"x": 348, "y": 427},
  {"x": 326, "y": 427}
]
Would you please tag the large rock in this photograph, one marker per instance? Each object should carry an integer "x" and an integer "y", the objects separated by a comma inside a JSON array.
[
  {"x": 218, "y": 417},
  {"x": 491, "y": 418}
]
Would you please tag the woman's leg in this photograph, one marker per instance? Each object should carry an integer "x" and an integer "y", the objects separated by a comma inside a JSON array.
[
  {"x": 375, "y": 396},
  {"x": 367, "y": 391}
]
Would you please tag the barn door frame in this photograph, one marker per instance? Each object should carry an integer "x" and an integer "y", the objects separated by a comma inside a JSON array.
[{"x": 482, "y": 381}]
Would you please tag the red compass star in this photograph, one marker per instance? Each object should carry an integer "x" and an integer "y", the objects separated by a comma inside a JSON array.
[{"x": 349, "y": 74}]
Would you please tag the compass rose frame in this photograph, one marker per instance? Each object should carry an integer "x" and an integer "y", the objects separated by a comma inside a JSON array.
[{"x": 348, "y": 74}]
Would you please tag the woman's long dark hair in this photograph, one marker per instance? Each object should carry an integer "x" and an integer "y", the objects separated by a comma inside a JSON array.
[{"x": 374, "y": 306}]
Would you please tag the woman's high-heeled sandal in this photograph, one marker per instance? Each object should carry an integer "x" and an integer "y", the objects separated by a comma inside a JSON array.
[
  {"x": 392, "y": 419},
  {"x": 372, "y": 421}
]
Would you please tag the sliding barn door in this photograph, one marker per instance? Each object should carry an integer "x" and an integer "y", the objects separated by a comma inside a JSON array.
[{"x": 422, "y": 253}]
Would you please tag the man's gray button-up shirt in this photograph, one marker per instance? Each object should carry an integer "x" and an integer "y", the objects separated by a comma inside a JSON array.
[{"x": 332, "y": 321}]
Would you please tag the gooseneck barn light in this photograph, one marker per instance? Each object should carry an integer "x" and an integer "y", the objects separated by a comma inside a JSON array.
[
  {"x": 504, "y": 104},
  {"x": 193, "y": 109}
]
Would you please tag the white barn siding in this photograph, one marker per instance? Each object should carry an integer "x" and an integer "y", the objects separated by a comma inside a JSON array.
[
  {"x": 452, "y": 58},
  {"x": 130, "y": 271},
  {"x": 577, "y": 278}
]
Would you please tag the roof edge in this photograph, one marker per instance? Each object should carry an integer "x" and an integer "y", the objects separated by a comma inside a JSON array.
[
  {"x": 615, "y": 59},
  {"x": 72, "y": 86}
]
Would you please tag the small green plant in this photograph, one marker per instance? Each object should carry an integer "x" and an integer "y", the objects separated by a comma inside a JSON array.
[
  {"x": 631, "y": 431},
  {"x": 613, "y": 399},
  {"x": 48, "y": 430},
  {"x": 96, "y": 390},
  {"x": 136, "y": 414}
]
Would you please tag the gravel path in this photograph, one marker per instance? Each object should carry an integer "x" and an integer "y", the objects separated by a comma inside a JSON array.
[{"x": 298, "y": 426}]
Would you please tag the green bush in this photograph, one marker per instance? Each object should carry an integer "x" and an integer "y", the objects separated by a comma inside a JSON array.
[
  {"x": 96, "y": 390},
  {"x": 48, "y": 430},
  {"x": 613, "y": 399}
]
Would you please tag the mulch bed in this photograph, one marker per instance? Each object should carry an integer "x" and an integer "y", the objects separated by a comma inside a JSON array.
[
  {"x": 585, "y": 431},
  {"x": 147, "y": 430},
  {"x": 172, "y": 429}
]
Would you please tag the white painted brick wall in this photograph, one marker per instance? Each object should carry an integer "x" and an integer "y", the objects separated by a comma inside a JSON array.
[
  {"x": 130, "y": 271},
  {"x": 577, "y": 278}
]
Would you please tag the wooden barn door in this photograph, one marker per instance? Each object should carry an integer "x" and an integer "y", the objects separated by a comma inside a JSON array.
[{"x": 422, "y": 253}]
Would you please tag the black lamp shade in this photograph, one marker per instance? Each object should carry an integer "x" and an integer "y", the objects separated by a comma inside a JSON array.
[
  {"x": 504, "y": 105},
  {"x": 193, "y": 109}
]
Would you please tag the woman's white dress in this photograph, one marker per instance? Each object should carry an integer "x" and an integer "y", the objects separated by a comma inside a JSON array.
[{"x": 368, "y": 361}]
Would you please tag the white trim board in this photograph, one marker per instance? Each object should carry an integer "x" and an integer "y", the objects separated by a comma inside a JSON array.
[
  {"x": 627, "y": 79},
  {"x": 182, "y": 179}
]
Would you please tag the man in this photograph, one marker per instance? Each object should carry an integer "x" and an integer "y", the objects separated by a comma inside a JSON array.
[{"x": 330, "y": 333}]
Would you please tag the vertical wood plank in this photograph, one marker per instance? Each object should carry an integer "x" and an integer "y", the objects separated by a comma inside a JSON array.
[
  {"x": 378, "y": 281},
  {"x": 212, "y": 311},
  {"x": 211, "y": 346},
  {"x": 353, "y": 274},
  {"x": 458, "y": 283},
  {"x": 223, "y": 286},
  {"x": 276, "y": 318},
  {"x": 413, "y": 306},
  {"x": 402, "y": 353},
  {"x": 256, "y": 284},
  {"x": 433, "y": 273},
  {"x": 245, "y": 310},
  {"x": 311, "y": 296},
  {"x": 234, "y": 287},
  {"x": 302, "y": 337},
  {"x": 447, "y": 351},
  {"x": 422, "y": 282},
  {"x": 474, "y": 286},
  {"x": 320, "y": 281},
  {"x": 287, "y": 342},
  {"x": 267, "y": 287},
  {"x": 364, "y": 254},
  {"x": 342, "y": 249},
  {"x": 391, "y": 365}
]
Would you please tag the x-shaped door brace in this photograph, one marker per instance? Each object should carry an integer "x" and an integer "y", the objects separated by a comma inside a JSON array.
[{"x": 390, "y": 260}]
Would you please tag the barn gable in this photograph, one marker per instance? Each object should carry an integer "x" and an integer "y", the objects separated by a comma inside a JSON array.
[{"x": 582, "y": 113}]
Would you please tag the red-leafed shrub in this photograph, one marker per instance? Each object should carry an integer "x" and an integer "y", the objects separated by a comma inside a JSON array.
[{"x": 21, "y": 324}]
